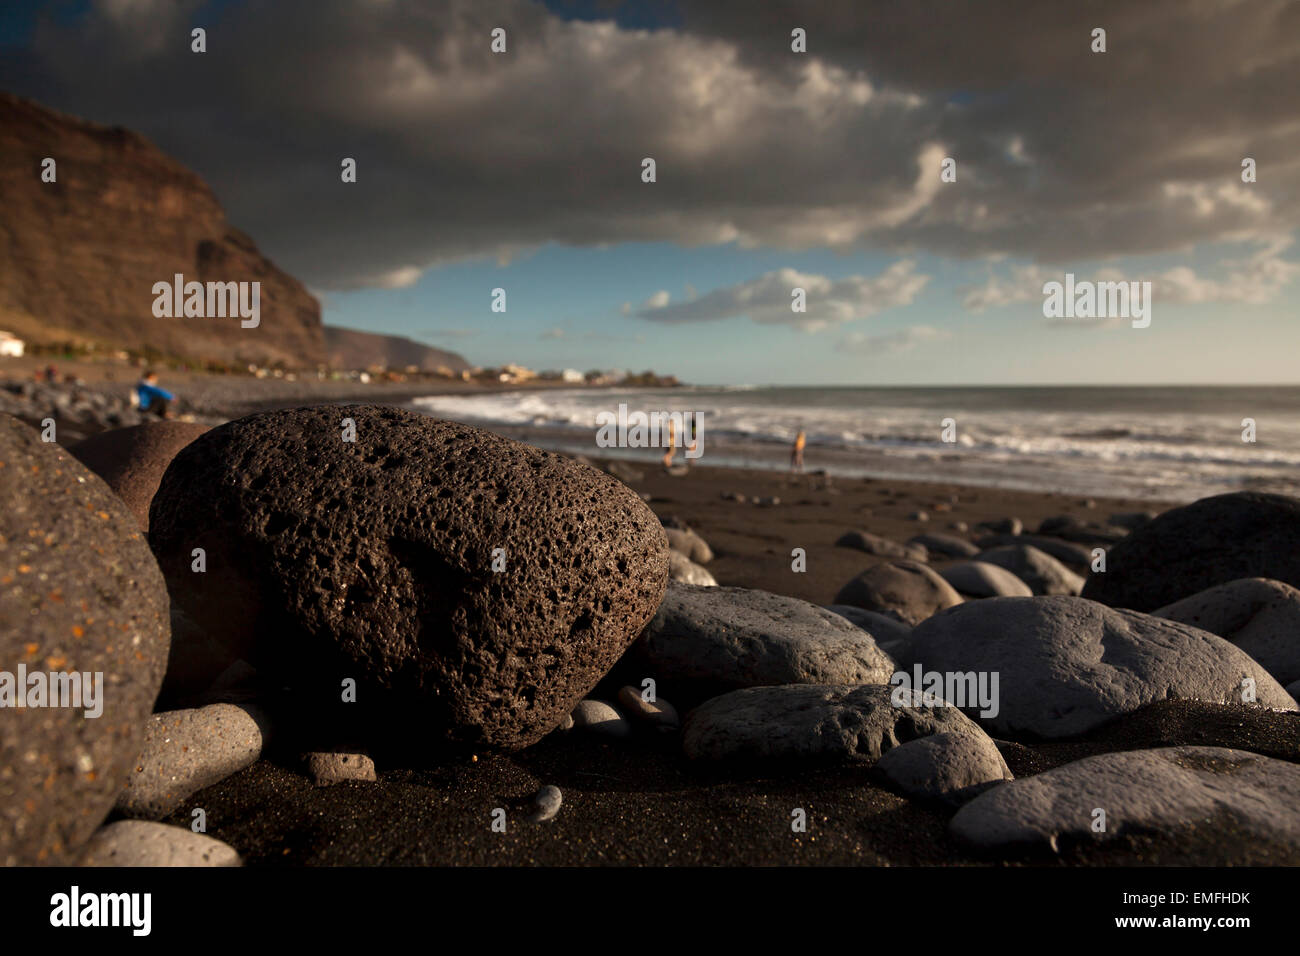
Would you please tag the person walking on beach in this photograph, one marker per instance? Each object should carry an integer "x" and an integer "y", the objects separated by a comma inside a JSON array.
[
  {"x": 153, "y": 400},
  {"x": 796, "y": 453},
  {"x": 672, "y": 444}
]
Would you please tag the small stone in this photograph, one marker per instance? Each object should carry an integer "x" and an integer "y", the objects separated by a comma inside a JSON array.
[
  {"x": 657, "y": 711},
  {"x": 600, "y": 717},
  {"x": 145, "y": 843},
  {"x": 187, "y": 750},
  {"x": 547, "y": 801},
  {"x": 690, "y": 544},
  {"x": 328, "y": 768},
  {"x": 950, "y": 767},
  {"x": 686, "y": 571}
]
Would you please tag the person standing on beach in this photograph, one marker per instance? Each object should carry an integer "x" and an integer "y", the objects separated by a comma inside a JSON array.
[
  {"x": 152, "y": 398},
  {"x": 796, "y": 453},
  {"x": 672, "y": 444}
]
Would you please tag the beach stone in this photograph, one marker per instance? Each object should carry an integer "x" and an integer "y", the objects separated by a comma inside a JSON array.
[
  {"x": 145, "y": 843},
  {"x": 658, "y": 711},
  {"x": 1003, "y": 526},
  {"x": 950, "y": 767},
  {"x": 1066, "y": 665},
  {"x": 1042, "y": 572},
  {"x": 623, "y": 471},
  {"x": 327, "y": 768},
  {"x": 690, "y": 544},
  {"x": 1260, "y": 616},
  {"x": 875, "y": 544},
  {"x": 961, "y": 526},
  {"x": 373, "y": 561},
  {"x": 187, "y": 750},
  {"x": 1052, "y": 525},
  {"x": 600, "y": 717},
  {"x": 883, "y": 628},
  {"x": 1130, "y": 519},
  {"x": 683, "y": 569},
  {"x": 905, "y": 589},
  {"x": 705, "y": 641},
  {"x": 132, "y": 460},
  {"x": 1246, "y": 534},
  {"x": 835, "y": 723},
  {"x": 979, "y": 579},
  {"x": 1216, "y": 792},
  {"x": 950, "y": 546},
  {"x": 1069, "y": 553},
  {"x": 547, "y": 803},
  {"x": 921, "y": 516},
  {"x": 79, "y": 592}
]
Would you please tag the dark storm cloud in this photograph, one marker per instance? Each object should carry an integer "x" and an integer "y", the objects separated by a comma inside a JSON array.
[{"x": 1062, "y": 154}]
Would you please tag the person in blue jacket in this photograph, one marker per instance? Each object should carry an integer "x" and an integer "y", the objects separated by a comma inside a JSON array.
[{"x": 152, "y": 398}]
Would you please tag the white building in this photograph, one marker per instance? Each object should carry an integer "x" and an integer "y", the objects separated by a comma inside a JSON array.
[
  {"x": 572, "y": 376},
  {"x": 11, "y": 345}
]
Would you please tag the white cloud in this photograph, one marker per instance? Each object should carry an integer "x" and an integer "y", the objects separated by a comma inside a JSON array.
[
  {"x": 829, "y": 302},
  {"x": 902, "y": 340}
]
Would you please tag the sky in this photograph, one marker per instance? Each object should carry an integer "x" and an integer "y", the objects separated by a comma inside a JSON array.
[{"x": 775, "y": 170}]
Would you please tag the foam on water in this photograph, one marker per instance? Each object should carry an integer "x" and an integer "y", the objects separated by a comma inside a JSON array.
[{"x": 1178, "y": 443}]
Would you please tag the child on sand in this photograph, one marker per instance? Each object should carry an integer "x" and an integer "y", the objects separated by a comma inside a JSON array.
[{"x": 152, "y": 398}]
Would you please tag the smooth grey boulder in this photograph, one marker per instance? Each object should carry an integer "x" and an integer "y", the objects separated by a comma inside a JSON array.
[
  {"x": 706, "y": 641},
  {"x": 908, "y": 590},
  {"x": 690, "y": 544},
  {"x": 1246, "y": 534},
  {"x": 1214, "y": 792},
  {"x": 882, "y": 547},
  {"x": 1260, "y": 616},
  {"x": 132, "y": 460},
  {"x": 979, "y": 579},
  {"x": 683, "y": 569},
  {"x": 80, "y": 593},
  {"x": 145, "y": 843},
  {"x": 1069, "y": 553},
  {"x": 883, "y": 628},
  {"x": 187, "y": 750},
  {"x": 1066, "y": 665},
  {"x": 947, "y": 545},
  {"x": 950, "y": 767},
  {"x": 1042, "y": 572},
  {"x": 825, "y": 722}
]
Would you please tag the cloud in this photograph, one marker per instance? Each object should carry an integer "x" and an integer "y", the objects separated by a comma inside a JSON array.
[
  {"x": 556, "y": 333},
  {"x": 1257, "y": 279},
  {"x": 464, "y": 154},
  {"x": 889, "y": 342},
  {"x": 768, "y": 299}
]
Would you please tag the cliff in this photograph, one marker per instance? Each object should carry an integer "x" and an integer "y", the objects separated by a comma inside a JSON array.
[
  {"x": 79, "y": 257},
  {"x": 349, "y": 348}
]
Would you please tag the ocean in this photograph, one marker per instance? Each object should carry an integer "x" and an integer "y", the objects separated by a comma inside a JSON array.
[{"x": 1162, "y": 443}]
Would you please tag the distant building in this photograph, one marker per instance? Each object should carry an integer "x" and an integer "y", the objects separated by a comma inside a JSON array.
[
  {"x": 11, "y": 345},
  {"x": 572, "y": 376}
]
